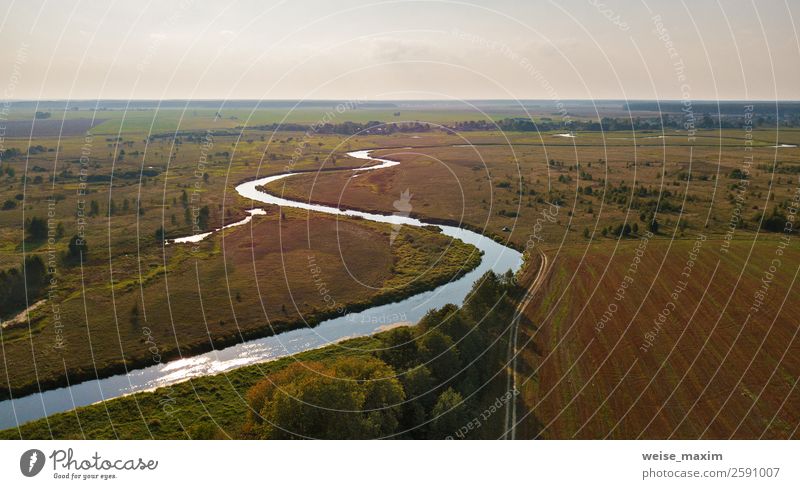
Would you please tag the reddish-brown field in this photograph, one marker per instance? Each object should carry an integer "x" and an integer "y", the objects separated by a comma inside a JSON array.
[{"x": 720, "y": 365}]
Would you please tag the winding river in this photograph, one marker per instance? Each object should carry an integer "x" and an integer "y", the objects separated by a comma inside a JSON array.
[{"x": 408, "y": 311}]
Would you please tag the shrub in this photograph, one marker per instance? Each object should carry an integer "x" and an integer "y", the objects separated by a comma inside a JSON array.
[{"x": 77, "y": 248}]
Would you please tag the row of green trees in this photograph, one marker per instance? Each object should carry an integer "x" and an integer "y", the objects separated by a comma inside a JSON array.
[{"x": 425, "y": 381}]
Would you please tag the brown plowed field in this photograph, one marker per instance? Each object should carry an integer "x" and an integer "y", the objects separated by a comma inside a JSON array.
[{"x": 716, "y": 368}]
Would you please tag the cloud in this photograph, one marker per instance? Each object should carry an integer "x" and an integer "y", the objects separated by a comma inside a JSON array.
[{"x": 388, "y": 49}]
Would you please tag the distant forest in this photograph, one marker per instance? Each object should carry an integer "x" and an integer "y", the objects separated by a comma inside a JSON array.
[{"x": 523, "y": 124}]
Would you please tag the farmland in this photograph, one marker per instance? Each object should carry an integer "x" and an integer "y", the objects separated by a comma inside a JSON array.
[
  {"x": 708, "y": 353},
  {"x": 714, "y": 360},
  {"x": 721, "y": 365}
]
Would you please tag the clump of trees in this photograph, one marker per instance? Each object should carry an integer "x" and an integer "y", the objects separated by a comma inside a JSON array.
[
  {"x": 14, "y": 283},
  {"x": 349, "y": 398},
  {"x": 622, "y": 230},
  {"x": 775, "y": 222},
  {"x": 424, "y": 381}
]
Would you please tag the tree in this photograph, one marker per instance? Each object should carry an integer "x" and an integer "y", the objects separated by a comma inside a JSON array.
[
  {"x": 418, "y": 385},
  {"x": 438, "y": 352},
  {"x": 348, "y": 398},
  {"x": 203, "y": 217},
  {"x": 653, "y": 226},
  {"x": 35, "y": 275},
  {"x": 37, "y": 228},
  {"x": 77, "y": 248},
  {"x": 160, "y": 234},
  {"x": 448, "y": 414},
  {"x": 20, "y": 287},
  {"x": 776, "y": 222},
  {"x": 623, "y": 231},
  {"x": 135, "y": 314},
  {"x": 398, "y": 348}
]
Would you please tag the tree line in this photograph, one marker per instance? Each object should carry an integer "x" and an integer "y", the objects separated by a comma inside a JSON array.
[{"x": 422, "y": 382}]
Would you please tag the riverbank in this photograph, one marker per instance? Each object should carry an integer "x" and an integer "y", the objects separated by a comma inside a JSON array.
[
  {"x": 218, "y": 406},
  {"x": 466, "y": 265}
]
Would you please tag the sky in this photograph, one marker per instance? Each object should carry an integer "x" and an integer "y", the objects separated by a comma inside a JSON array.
[{"x": 394, "y": 50}]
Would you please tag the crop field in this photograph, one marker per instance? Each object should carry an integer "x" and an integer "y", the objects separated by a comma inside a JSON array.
[
  {"x": 110, "y": 122},
  {"x": 708, "y": 351}
]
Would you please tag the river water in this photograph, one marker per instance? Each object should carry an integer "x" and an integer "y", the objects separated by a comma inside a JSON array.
[{"x": 495, "y": 257}]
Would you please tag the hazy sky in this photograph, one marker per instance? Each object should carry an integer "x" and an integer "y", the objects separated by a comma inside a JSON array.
[{"x": 318, "y": 49}]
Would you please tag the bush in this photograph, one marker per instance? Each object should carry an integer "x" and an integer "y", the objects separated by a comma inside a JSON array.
[
  {"x": 738, "y": 174},
  {"x": 77, "y": 248}
]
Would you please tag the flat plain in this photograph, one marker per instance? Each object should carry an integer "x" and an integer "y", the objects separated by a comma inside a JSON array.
[{"x": 593, "y": 362}]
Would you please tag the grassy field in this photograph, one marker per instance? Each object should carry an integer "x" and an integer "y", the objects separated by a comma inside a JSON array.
[
  {"x": 117, "y": 194},
  {"x": 506, "y": 181},
  {"x": 255, "y": 281}
]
